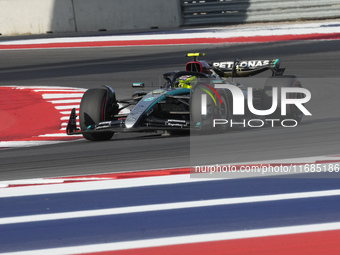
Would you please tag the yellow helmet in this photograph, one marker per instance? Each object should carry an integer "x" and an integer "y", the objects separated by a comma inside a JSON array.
[{"x": 185, "y": 81}]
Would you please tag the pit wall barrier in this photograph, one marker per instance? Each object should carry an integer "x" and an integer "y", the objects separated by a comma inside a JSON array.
[{"x": 58, "y": 16}]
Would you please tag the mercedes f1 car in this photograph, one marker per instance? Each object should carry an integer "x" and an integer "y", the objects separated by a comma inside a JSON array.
[{"x": 199, "y": 98}]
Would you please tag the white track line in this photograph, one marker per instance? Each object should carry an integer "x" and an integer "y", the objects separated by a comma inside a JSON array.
[
  {"x": 89, "y": 186},
  {"x": 112, "y": 183},
  {"x": 166, "y": 206},
  {"x": 19, "y": 144},
  {"x": 54, "y": 135}
]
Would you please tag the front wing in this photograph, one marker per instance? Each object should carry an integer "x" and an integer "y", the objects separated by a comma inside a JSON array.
[{"x": 118, "y": 126}]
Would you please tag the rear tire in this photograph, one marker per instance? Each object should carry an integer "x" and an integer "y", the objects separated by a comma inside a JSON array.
[
  {"x": 223, "y": 111},
  {"x": 201, "y": 123},
  {"x": 292, "y": 112},
  {"x": 91, "y": 112}
]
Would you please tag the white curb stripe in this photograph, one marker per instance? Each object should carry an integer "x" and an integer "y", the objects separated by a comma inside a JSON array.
[
  {"x": 66, "y": 101},
  {"x": 69, "y": 95}
]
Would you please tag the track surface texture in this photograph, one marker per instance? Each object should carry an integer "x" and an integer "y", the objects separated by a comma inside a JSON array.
[{"x": 316, "y": 63}]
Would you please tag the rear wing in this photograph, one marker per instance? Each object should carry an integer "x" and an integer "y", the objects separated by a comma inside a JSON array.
[{"x": 246, "y": 68}]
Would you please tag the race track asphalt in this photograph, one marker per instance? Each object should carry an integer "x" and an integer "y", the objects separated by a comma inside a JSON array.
[{"x": 316, "y": 63}]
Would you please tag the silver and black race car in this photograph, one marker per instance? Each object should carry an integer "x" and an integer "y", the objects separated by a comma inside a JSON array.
[{"x": 203, "y": 97}]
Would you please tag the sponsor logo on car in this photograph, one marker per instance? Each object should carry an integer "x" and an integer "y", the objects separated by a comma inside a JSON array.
[{"x": 242, "y": 64}]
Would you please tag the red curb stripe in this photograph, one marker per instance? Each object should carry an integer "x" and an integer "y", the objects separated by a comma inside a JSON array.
[
  {"x": 27, "y": 115},
  {"x": 324, "y": 242},
  {"x": 128, "y": 175},
  {"x": 31, "y": 117},
  {"x": 250, "y": 39},
  {"x": 157, "y": 172}
]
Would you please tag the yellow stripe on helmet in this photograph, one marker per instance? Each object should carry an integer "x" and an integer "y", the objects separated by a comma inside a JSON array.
[{"x": 195, "y": 54}]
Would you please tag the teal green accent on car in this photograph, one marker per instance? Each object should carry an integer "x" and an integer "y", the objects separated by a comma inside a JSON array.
[
  {"x": 174, "y": 92},
  {"x": 178, "y": 92},
  {"x": 277, "y": 60}
]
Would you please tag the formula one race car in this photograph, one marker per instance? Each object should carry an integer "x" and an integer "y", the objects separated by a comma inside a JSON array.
[{"x": 199, "y": 98}]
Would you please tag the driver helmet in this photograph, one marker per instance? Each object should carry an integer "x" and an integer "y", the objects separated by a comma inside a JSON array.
[{"x": 185, "y": 81}]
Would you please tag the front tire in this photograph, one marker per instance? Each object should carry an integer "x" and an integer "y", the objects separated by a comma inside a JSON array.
[{"x": 91, "y": 112}]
